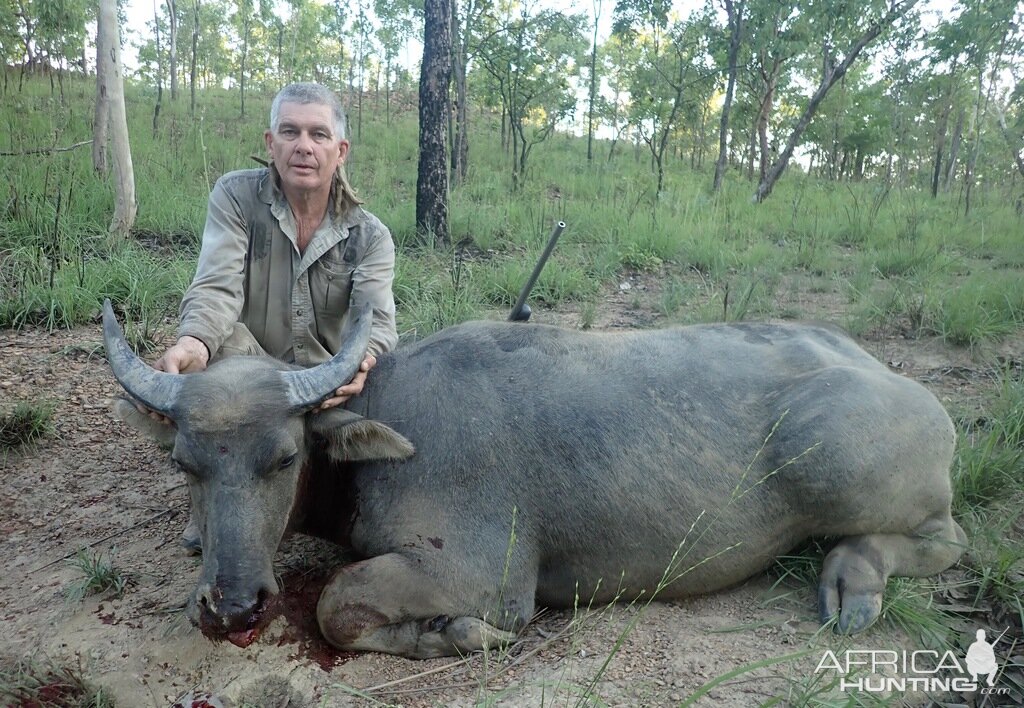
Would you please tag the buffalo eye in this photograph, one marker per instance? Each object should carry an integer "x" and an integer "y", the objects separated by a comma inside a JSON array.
[{"x": 287, "y": 461}]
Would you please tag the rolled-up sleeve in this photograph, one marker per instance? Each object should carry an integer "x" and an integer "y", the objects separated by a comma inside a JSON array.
[
  {"x": 371, "y": 282},
  {"x": 214, "y": 300}
]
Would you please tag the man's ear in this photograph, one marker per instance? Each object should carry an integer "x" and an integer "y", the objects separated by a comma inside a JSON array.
[
  {"x": 125, "y": 411},
  {"x": 352, "y": 438}
]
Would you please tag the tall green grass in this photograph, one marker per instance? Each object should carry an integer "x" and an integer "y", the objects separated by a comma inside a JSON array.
[{"x": 55, "y": 267}]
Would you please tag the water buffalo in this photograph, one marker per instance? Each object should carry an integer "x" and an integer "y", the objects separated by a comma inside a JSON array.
[{"x": 550, "y": 467}]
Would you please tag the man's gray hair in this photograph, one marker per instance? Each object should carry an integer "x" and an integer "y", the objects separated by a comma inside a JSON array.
[{"x": 306, "y": 93}]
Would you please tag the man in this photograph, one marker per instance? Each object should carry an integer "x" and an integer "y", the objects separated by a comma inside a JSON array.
[{"x": 287, "y": 253}]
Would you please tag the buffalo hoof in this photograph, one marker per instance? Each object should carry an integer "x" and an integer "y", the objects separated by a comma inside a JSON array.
[{"x": 191, "y": 540}]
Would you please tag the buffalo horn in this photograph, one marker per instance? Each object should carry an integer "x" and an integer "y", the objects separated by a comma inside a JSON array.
[
  {"x": 156, "y": 390},
  {"x": 310, "y": 387}
]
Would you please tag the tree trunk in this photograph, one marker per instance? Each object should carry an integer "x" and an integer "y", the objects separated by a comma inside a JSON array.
[
  {"x": 435, "y": 77},
  {"x": 172, "y": 48},
  {"x": 940, "y": 151},
  {"x": 460, "y": 134},
  {"x": 831, "y": 75},
  {"x": 762, "y": 124},
  {"x": 241, "y": 68},
  {"x": 159, "y": 71},
  {"x": 954, "y": 150},
  {"x": 593, "y": 85},
  {"x": 194, "y": 59},
  {"x": 110, "y": 92},
  {"x": 735, "y": 13},
  {"x": 1011, "y": 142}
]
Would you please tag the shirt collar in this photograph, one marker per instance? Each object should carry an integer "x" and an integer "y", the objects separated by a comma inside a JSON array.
[{"x": 270, "y": 193}]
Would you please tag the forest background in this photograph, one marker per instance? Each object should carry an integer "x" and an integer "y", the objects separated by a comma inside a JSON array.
[{"x": 866, "y": 167}]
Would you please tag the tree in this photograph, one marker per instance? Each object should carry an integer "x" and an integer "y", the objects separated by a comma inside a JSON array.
[
  {"x": 665, "y": 84},
  {"x": 530, "y": 59},
  {"x": 193, "y": 62},
  {"x": 435, "y": 77},
  {"x": 396, "y": 26},
  {"x": 110, "y": 105},
  {"x": 172, "y": 46},
  {"x": 734, "y": 10},
  {"x": 592, "y": 92},
  {"x": 464, "y": 26},
  {"x": 832, "y": 71}
]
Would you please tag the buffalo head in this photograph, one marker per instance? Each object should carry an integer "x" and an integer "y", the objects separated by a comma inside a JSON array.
[{"x": 241, "y": 432}]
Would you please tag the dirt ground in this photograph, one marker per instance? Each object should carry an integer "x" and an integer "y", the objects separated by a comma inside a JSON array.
[{"x": 98, "y": 484}]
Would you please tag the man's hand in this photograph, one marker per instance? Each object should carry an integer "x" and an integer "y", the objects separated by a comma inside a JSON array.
[
  {"x": 186, "y": 356},
  {"x": 352, "y": 388}
]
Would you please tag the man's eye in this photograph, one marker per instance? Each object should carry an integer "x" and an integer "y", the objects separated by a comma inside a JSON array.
[{"x": 287, "y": 132}]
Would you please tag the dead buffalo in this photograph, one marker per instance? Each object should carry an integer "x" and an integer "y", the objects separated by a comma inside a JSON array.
[{"x": 552, "y": 465}]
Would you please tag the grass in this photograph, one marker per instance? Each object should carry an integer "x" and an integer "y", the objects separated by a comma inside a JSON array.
[
  {"x": 98, "y": 575},
  {"x": 40, "y": 682},
  {"x": 26, "y": 423},
  {"x": 56, "y": 264},
  {"x": 904, "y": 261}
]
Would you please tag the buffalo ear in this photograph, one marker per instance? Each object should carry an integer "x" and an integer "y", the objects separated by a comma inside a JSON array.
[
  {"x": 125, "y": 411},
  {"x": 352, "y": 438}
]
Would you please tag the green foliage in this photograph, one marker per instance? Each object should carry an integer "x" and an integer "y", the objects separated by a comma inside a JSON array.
[
  {"x": 25, "y": 423},
  {"x": 990, "y": 457},
  {"x": 98, "y": 575},
  {"x": 983, "y": 308}
]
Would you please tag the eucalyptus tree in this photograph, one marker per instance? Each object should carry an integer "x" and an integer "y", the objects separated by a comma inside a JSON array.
[
  {"x": 111, "y": 121},
  {"x": 249, "y": 21},
  {"x": 838, "y": 24},
  {"x": 310, "y": 48},
  {"x": 172, "y": 46},
  {"x": 55, "y": 34},
  {"x": 735, "y": 11},
  {"x": 193, "y": 60},
  {"x": 592, "y": 91},
  {"x": 530, "y": 57},
  {"x": 779, "y": 33},
  {"x": 1013, "y": 128},
  {"x": 399, "y": 21},
  {"x": 362, "y": 31},
  {"x": 991, "y": 27},
  {"x": 671, "y": 79},
  {"x": 616, "y": 57},
  {"x": 467, "y": 19},
  {"x": 435, "y": 78}
]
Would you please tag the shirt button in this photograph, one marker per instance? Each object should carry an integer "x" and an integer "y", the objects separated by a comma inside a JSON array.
[
  {"x": 298, "y": 346},
  {"x": 298, "y": 313}
]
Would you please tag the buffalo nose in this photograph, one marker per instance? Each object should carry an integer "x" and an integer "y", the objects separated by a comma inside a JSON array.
[{"x": 222, "y": 612}]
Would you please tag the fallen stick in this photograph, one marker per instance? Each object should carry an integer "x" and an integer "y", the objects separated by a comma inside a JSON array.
[
  {"x": 109, "y": 536},
  {"x": 45, "y": 151}
]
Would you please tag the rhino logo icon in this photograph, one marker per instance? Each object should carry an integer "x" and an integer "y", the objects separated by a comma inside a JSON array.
[{"x": 981, "y": 659}]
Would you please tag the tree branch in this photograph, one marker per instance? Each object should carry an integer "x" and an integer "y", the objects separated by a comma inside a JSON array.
[{"x": 45, "y": 151}]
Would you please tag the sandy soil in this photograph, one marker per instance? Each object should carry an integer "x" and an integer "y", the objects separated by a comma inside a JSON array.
[{"x": 98, "y": 484}]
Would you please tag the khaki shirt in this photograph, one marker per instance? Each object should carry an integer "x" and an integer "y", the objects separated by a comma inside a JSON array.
[{"x": 295, "y": 304}]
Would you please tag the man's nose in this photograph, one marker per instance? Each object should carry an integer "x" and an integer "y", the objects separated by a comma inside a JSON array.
[{"x": 304, "y": 143}]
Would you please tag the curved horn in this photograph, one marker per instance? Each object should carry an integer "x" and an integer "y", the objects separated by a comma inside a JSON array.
[
  {"x": 310, "y": 387},
  {"x": 154, "y": 389}
]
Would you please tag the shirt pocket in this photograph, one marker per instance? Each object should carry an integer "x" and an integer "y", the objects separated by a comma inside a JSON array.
[{"x": 330, "y": 289}]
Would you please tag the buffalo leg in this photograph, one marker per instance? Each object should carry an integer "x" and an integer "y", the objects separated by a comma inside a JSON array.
[
  {"x": 387, "y": 604},
  {"x": 856, "y": 570}
]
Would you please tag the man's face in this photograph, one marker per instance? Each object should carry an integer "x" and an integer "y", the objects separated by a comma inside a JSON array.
[{"x": 305, "y": 149}]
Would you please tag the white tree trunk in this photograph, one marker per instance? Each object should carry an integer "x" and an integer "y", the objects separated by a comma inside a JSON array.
[{"x": 110, "y": 91}]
